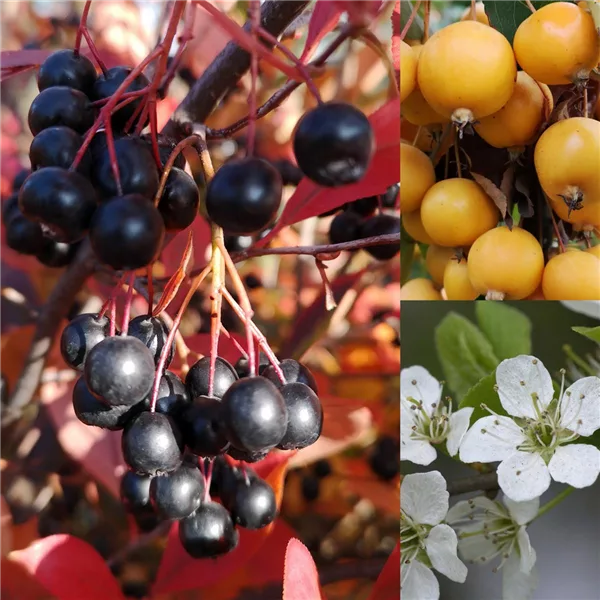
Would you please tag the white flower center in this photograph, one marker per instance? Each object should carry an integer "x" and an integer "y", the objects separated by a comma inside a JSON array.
[
  {"x": 412, "y": 539},
  {"x": 432, "y": 427}
]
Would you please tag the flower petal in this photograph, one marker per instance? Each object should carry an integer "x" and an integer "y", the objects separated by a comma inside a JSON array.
[
  {"x": 459, "y": 423},
  {"x": 580, "y": 406},
  {"x": 526, "y": 552},
  {"x": 523, "y": 476},
  {"x": 517, "y": 585},
  {"x": 577, "y": 464},
  {"x": 491, "y": 439},
  {"x": 522, "y": 512},
  {"x": 477, "y": 549},
  {"x": 419, "y": 452},
  {"x": 477, "y": 509},
  {"x": 441, "y": 545},
  {"x": 518, "y": 378},
  {"x": 418, "y": 582},
  {"x": 418, "y": 383},
  {"x": 590, "y": 308},
  {"x": 424, "y": 497}
]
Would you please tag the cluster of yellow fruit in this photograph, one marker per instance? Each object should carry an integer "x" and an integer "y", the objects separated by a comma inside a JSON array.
[{"x": 466, "y": 76}]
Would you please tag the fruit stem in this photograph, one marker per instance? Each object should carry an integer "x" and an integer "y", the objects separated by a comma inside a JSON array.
[
  {"x": 474, "y": 10},
  {"x": 457, "y": 159},
  {"x": 112, "y": 317},
  {"x": 127, "y": 308},
  {"x": 413, "y": 14},
  {"x": 94, "y": 50},
  {"x": 330, "y": 302},
  {"x": 207, "y": 479},
  {"x": 82, "y": 26},
  {"x": 234, "y": 342},
  {"x": 426, "y": 20},
  {"x": 216, "y": 301},
  {"x": 585, "y": 101},
  {"x": 530, "y": 6},
  {"x": 112, "y": 295},
  {"x": 555, "y": 226}
]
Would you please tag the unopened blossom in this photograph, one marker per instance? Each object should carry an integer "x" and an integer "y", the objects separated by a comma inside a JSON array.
[
  {"x": 425, "y": 420},
  {"x": 535, "y": 443}
]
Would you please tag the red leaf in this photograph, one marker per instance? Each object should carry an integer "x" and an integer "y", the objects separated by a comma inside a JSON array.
[
  {"x": 324, "y": 18},
  {"x": 200, "y": 343},
  {"x": 396, "y": 39},
  {"x": 178, "y": 571},
  {"x": 300, "y": 575},
  {"x": 387, "y": 586},
  {"x": 310, "y": 200},
  {"x": 10, "y": 59},
  {"x": 17, "y": 584},
  {"x": 69, "y": 568},
  {"x": 177, "y": 278},
  {"x": 173, "y": 251}
]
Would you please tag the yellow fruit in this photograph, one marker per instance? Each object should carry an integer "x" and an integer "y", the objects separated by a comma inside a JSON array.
[
  {"x": 408, "y": 70},
  {"x": 416, "y": 110},
  {"x": 419, "y": 289},
  {"x": 416, "y": 177},
  {"x": 572, "y": 276},
  {"x": 567, "y": 159},
  {"x": 436, "y": 259},
  {"x": 506, "y": 264},
  {"x": 558, "y": 44},
  {"x": 518, "y": 121},
  {"x": 411, "y": 221},
  {"x": 455, "y": 212},
  {"x": 457, "y": 284},
  {"x": 467, "y": 71},
  {"x": 480, "y": 15},
  {"x": 595, "y": 250}
]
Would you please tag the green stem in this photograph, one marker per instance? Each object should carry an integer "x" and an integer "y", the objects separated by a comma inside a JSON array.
[
  {"x": 556, "y": 500},
  {"x": 578, "y": 360}
]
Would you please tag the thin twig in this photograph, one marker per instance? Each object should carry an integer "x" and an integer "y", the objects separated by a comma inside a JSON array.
[{"x": 478, "y": 483}]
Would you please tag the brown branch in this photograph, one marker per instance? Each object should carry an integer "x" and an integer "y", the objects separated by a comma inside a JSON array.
[{"x": 484, "y": 482}]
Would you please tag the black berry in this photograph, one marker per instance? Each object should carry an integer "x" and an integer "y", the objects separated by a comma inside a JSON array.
[
  {"x": 388, "y": 200},
  {"x": 247, "y": 457},
  {"x": 254, "y": 414},
  {"x": 254, "y": 504},
  {"x": 381, "y": 225},
  {"x": 209, "y": 532},
  {"x": 305, "y": 416},
  {"x": 135, "y": 492},
  {"x": 152, "y": 444},
  {"x": 10, "y": 208},
  {"x": 153, "y": 333},
  {"x": 364, "y": 207},
  {"x": 322, "y": 468},
  {"x": 202, "y": 427},
  {"x": 57, "y": 254},
  {"x": 334, "y": 144},
  {"x": 238, "y": 243},
  {"x": 91, "y": 411},
  {"x": 243, "y": 370},
  {"x": 25, "y": 236},
  {"x": 252, "y": 282},
  {"x": 20, "y": 177},
  {"x": 293, "y": 372},
  {"x": 57, "y": 147},
  {"x": 310, "y": 488},
  {"x": 127, "y": 232},
  {"x": 196, "y": 380},
  {"x": 66, "y": 68},
  {"x": 119, "y": 371},
  {"x": 178, "y": 494},
  {"x": 79, "y": 337},
  {"x": 244, "y": 195},
  {"x": 344, "y": 227},
  {"x": 172, "y": 396},
  {"x": 385, "y": 458},
  {"x": 61, "y": 106},
  {"x": 61, "y": 201},
  {"x": 3, "y": 389},
  {"x": 180, "y": 201},
  {"x": 165, "y": 149}
]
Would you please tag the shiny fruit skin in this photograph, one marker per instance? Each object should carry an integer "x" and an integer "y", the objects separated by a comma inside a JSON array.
[
  {"x": 577, "y": 142},
  {"x": 457, "y": 284},
  {"x": 419, "y": 289},
  {"x": 60, "y": 106},
  {"x": 572, "y": 276},
  {"x": 413, "y": 225},
  {"x": 381, "y": 224},
  {"x": 57, "y": 147},
  {"x": 518, "y": 121},
  {"x": 455, "y": 212},
  {"x": 436, "y": 260},
  {"x": 408, "y": 70},
  {"x": 468, "y": 66},
  {"x": 417, "y": 175},
  {"x": 509, "y": 262},
  {"x": 65, "y": 68},
  {"x": 558, "y": 44}
]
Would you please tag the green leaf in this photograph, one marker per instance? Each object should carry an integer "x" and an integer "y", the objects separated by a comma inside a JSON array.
[
  {"x": 507, "y": 15},
  {"x": 483, "y": 392},
  {"x": 415, "y": 31},
  {"x": 589, "y": 332},
  {"x": 464, "y": 352},
  {"x": 507, "y": 329}
]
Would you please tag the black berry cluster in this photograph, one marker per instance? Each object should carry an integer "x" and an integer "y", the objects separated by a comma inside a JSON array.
[{"x": 171, "y": 449}]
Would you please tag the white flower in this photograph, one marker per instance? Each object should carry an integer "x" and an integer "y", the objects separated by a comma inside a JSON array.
[
  {"x": 425, "y": 419},
  {"x": 589, "y": 308},
  {"x": 486, "y": 529},
  {"x": 534, "y": 445},
  {"x": 425, "y": 542}
]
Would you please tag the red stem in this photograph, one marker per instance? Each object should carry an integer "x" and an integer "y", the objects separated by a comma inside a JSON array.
[
  {"x": 94, "y": 50},
  {"x": 410, "y": 20},
  {"x": 112, "y": 153},
  {"x": 127, "y": 309},
  {"x": 82, "y": 25},
  {"x": 113, "y": 316},
  {"x": 112, "y": 295}
]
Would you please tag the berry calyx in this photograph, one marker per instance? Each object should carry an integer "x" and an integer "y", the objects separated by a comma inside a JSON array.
[
  {"x": 197, "y": 378},
  {"x": 178, "y": 494},
  {"x": 81, "y": 335},
  {"x": 67, "y": 68},
  {"x": 172, "y": 397},
  {"x": 180, "y": 201},
  {"x": 305, "y": 416},
  {"x": 153, "y": 333}
]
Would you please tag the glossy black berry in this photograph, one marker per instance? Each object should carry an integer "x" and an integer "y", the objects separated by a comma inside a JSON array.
[
  {"x": 153, "y": 333},
  {"x": 91, "y": 411},
  {"x": 254, "y": 505},
  {"x": 293, "y": 372},
  {"x": 135, "y": 493},
  {"x": 252, "y": 282},
  {"x": 247, "y": 457},
  {"x": 165, "y": 149},
  {"x": 180, "y": 201},
  {"x": 364, "y": 207},
  {"x": 242, "y": 368},
  {"x": 119, "y": 370},
  {"x": 244, "y": 195},
  {"x": 344, "y": 227},
  {"x": 172, "y": 396},
  {"x": 197, "y": 378},
  {"x": 57, "y": 147},
  {"x": 385, "y": 458},
  {"x": 61, "y": 106},
  {"x": 290, "y": 173},
  {"x": 57, "y": 254},
  {"x": 202, "y": 427},
  {"x": 381, "y": 225},
  {"x": 322, "y": 468},
  {"x": 127, "y": 232},
  {"x": 238, "y": 243},
  {"x": 178, "y": 494},
  {"x": 152, "y": 444},
  {"x": 10, "y": 208},
  {"x": 20, "y": 177},
  {"x": 81, "y": 335},
  {"x": 25, "y": 236},
  {"x": 138, "y": 172},
  {"x": 254, "y": 414},
  {"x": 389, "y": 199},
  {"x": 62, "y": 201},
  {"x": 66, "y": 68},
  {"x": 305, "y": 416},
  {"x": 3, "y": 389},
  {"x": 310, "y": 488},
  {"x": 105, "y": 87},
  {"x": 334, "y": 144},
  {"x": 209, "y": 532}
]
